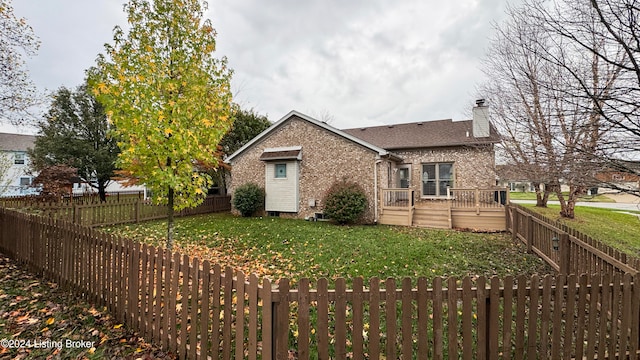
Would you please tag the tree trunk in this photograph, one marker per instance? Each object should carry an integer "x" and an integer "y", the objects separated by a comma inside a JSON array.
[
  {"x": 170, "y": 220},
  {"x": 567, "y": 205},
  {"x": 102, "y": 191},
  {"x": 542, "y": 196}
]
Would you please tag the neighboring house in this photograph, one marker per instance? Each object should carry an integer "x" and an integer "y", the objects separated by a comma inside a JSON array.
[
  {"x": 624, "y": 178},
  {"x": 511, "y": 177},
  {"x": 298, "y": 158},
  {"x": 14, "y": 148}
]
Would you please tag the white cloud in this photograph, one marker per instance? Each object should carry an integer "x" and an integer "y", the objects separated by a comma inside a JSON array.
[{"x": 364, "y": 62}]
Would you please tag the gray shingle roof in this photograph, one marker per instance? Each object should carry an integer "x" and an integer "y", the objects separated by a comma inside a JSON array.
[
  {"x": 280, "y": 155},
  {"x": 439, "y": 133},
  {"x": 16, "y": 142}
]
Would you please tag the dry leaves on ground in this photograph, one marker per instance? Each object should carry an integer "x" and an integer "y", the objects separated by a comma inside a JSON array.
[{"x": 38, "y": 320}]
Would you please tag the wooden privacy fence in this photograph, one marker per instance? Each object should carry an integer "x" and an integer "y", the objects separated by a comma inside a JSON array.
[
  {"x": 91, "y": 198},
  {"x": 197, "y": 310},
  {"x": 132, "y": 210},
  {"x": 565, "y": 249}
]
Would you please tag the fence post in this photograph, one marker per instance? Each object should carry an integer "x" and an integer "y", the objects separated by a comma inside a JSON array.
[
  {"x": 565, "y": 254},
  {"x": 529, "y": 233},
  {"x": 514, "y": 223},
  {"x": 477, "y": 198}
]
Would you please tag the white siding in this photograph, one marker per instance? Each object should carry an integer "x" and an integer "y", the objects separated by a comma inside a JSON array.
[{"x": 281, "y": 193}]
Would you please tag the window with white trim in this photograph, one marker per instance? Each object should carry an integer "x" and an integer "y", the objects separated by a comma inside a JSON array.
[
  {"x": 281, "y": 171},
  {"x": 18, "y": 158},
  {"x": 436, "y": 178},
  {"x": 25, "y": 181}
]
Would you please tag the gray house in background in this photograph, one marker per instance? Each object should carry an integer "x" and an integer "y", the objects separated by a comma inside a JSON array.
[{"x": 13, "y": 148}]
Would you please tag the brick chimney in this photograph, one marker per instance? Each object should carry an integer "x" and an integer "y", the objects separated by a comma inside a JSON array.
[{"x": 481, "y": 120}]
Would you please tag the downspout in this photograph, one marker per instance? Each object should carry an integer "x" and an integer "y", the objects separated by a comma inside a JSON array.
[{"x": 375, "y": 189}]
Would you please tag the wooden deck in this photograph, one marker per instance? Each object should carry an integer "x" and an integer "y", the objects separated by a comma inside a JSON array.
[{"x": 475, "y": 209}]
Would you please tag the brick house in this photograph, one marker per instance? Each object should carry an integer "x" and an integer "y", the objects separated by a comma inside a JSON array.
[{"x": 298, "y": 158}]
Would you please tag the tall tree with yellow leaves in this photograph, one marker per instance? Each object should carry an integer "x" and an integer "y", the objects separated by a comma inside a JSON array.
[{"x": 168, "y": 99}]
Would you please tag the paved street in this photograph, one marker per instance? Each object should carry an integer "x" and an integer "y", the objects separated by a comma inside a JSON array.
[{"x": 617, "y": 205}]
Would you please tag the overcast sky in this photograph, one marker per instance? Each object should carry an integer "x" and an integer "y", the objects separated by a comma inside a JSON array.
[{"x": 358, "y": 62}]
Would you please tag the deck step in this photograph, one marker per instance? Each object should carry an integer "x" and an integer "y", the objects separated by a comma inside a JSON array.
[{"x": 434, "y": 218}]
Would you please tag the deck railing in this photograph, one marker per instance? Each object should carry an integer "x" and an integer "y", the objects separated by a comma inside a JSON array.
[
  {"x": 478, "y": 198},
  {"x": 397, "y": 198}
]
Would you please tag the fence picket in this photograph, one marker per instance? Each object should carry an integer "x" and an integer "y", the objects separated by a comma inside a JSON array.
[
  {"x": 239, "y": 324},
  {"x": 340, "y": 319},
  {"x": 216, "y": 291},
  {"x": 374, "y": 318},
  {"x": 407, "y": 319},
  {"x": 227, "y": 308},
  {"x": 592, "y": 325},
  {"x": 204, "y": 314},
  {"x": 482, "y": 332},
  {"x": 303, "y": 319},
  {"x": 282, "y": 321},
  {"x": 545, "y": 317},
  {"x": 557, "y": 316},
  {"x": 253, "y": 317},
  {"x": 626, "y": 315},
  {"x": 193, "y": 316},
  {"x": 423, "y": 319},
  {"x": 437, "y": 319},
  {"x": 605, "y": 308},
  {"x": 358, "y": 318},
  {"x": 185, "y": 268},
  {"x": 452, "y": 315},
  {"x": 581, "y": 311},
  {"x": 635, "y": 316},
  {"x": 467, "y": 318},
  {"x": 520, "y": 317},
  {"x": 532, "y": 325}
]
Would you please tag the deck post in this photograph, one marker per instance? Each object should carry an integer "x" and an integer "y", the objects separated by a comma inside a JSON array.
[{"x": 411, "y": 206}]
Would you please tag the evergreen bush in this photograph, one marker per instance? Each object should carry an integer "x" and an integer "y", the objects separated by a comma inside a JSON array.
[
  {"x": 248, "y": 198},
  {"x": 345, "y": 202}
]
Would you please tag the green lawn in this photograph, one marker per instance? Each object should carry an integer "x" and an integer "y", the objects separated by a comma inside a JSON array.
[
  {"x": 277, "y": 248},
  {"x": 517, "y": 195},
  {"x": 612, "y": 227}
]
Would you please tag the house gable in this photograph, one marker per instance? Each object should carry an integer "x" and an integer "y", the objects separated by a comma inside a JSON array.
[
  {"x": 299, "y": 116},
  {"x": 317, "y": 155}
]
